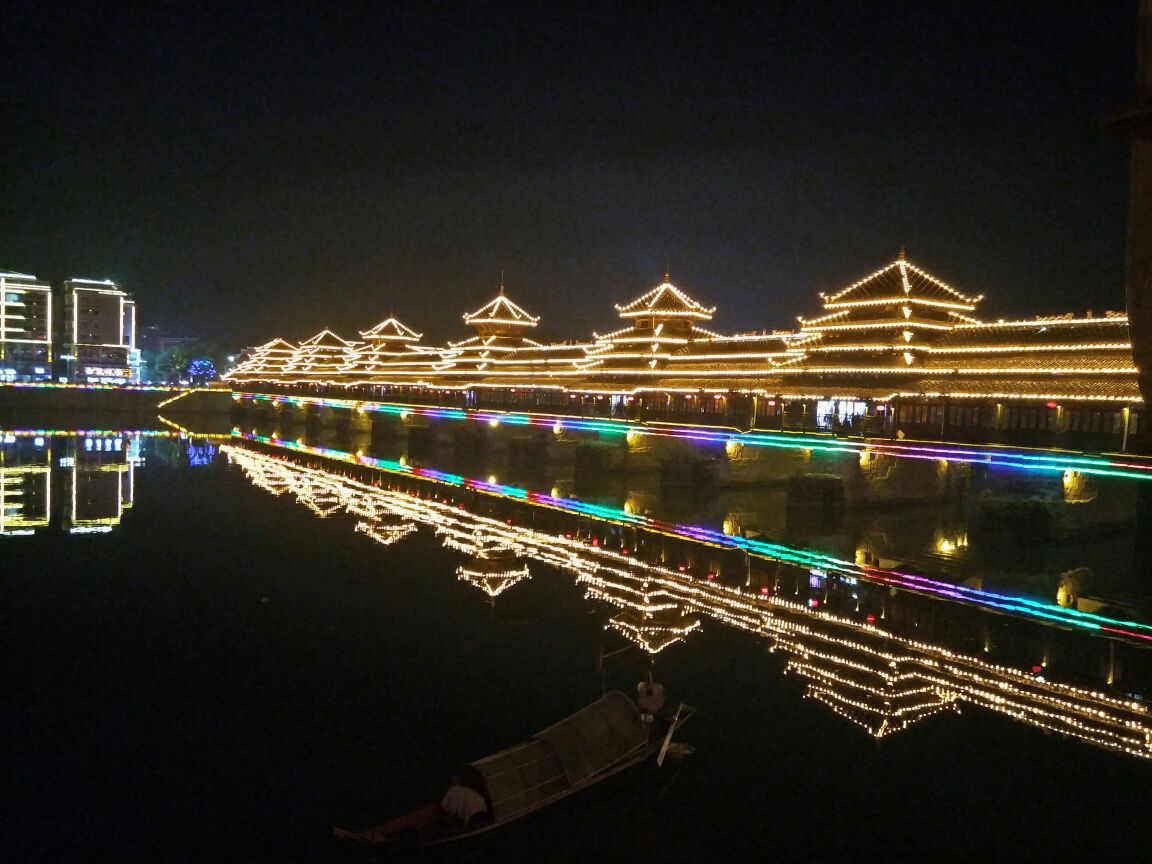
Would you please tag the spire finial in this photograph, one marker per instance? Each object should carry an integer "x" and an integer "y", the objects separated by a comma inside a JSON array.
[
  {"x": 668, "y": 269},
  {"x": 501, "y": 283},
  {"x": 901, "y": 257}
]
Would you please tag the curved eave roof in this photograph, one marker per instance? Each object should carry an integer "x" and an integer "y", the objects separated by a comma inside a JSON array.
[
  {"x": 900, "y": 279},
  {"x": 665, "y": 300},
  {"x": 502, "y": 311},
  {"x": 392, "y": 330},
  {"x": 274, "y": 345},
  {"x": 326, "y": 339},
  {"x": 1040, "y": 331}
]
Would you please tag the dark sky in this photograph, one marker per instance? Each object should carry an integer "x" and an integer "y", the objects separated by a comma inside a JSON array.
[{"x": 250, "y": 172}]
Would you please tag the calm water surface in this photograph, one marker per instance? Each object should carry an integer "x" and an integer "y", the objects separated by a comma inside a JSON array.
[{"x": 216, "y": 649}]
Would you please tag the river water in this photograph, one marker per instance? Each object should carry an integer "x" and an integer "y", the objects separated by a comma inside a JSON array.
[{"x": 218, "y": 647}]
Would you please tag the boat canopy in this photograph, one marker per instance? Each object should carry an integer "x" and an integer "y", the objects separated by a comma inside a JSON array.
[{"x": 564, "y": 755}]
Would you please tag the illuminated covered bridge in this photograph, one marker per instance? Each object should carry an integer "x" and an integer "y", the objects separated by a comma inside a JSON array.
[{"x": 897, "y": 353}]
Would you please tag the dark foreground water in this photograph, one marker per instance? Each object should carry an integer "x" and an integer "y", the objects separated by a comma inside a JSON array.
[{"x": 223, "y": 676}]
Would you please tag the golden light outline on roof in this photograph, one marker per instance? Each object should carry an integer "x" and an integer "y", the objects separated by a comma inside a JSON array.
[
  {"x": 1058, "y": 346},
  {"x": 609, "y": 336},
  {"x": 326, "y": 352},
  {"x": 904, "y": 266},
  {"x": 874, "y": 325},
  {"x": 673, "y": 350},
  {"x": 806, "y": 322},
  {"x": 276, "y": 344},
  {"x": 882, "y": 301},
  {"x": 940, "y": 284},
  {"x": 707, "y": 333},
  {"x": 963, "y": 318},
  {"x": 1048, "y": 322},
  {"x": 393, "y": 329},
  {"x": 501, "y": 310},
  {"x": 647, "y": 304},
  {"x": 321, "y": 340}
]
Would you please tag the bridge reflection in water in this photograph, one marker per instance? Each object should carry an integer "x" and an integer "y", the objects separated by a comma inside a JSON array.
[{"x": 883, "y": 648}]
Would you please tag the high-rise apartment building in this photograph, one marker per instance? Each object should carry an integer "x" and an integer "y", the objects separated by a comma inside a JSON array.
[
  {"x": 25, "y": 328},
  {"x": 99, "y": 344}
]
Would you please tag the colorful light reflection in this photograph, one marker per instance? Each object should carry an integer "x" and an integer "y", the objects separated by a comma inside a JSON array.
[{"x": 1006, "y": 603}]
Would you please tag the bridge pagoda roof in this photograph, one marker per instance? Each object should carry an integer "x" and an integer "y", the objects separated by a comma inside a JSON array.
[
  {"x": 502, "y": 312},
  {"x": 273, "y": 346},
  {"x": 897, "y": 305},
  {"x": 900, "y": 282},
  {"x": 391, "y": 330},
  {"x": 324, "y": 353},
  {"x": 665, "y": 301},
  {"x": 326, "y": 339},
  {"x": 263, "y": 361}
]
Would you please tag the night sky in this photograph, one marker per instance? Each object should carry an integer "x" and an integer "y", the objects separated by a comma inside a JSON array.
[{"x": 250, "y": 173}]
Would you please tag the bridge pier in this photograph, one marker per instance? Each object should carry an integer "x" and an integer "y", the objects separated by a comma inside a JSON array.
[
  {"x": 319, "y": 420},
  {"x": 1054, "y": 505},
  {"x": 354, "y": 430},
  {"x": 288, "y": 417}
]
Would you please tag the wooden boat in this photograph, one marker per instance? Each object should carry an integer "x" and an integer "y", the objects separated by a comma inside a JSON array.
[{"x": 598, "y": 741}]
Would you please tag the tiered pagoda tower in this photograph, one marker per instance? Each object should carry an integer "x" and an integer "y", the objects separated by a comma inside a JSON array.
[
  {"x": 500, "y": 319},
  {"x": 324, "y": 357},
  {"x": 661, "y": 321},
  {"x": 665, "y": 312},
  {"x": 893, "y": 311},
  {"x": 266, "y": 363},
  {"x": 389, "y": 347}
]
